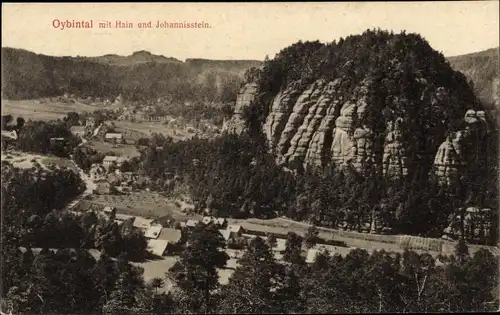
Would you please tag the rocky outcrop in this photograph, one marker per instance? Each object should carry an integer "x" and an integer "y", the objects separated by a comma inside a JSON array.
[
  {"x": 281, "y": 109},
  {"x": 395, "y": 157},
  {"x": 351, "y": 145},
  {"x": 245, "y": 96},
  {"x": 321, "y": 137},
  {"x": 383, "y": 107},
  {"x": 314, "y": 125},
  {"x": 451, "y": 157},
  {"x": 449, "y": 161}
]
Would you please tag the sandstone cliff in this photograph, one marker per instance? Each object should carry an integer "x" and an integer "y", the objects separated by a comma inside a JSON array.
[
  {"x": 244, "y": 97},
  {"x": 317, "y": 125},
  {"x": 394, "y": 108},
  {"x": 459, "y": 148}
]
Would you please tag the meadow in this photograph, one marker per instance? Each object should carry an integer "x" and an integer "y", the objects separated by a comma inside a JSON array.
[{"x": 39, "y": 110}]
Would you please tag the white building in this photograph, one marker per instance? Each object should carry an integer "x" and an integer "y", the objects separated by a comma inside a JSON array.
[{"x": 108, "y": 160}]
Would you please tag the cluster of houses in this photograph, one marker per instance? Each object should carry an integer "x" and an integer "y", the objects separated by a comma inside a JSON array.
[
  {"x": 167, "y": 240},
  {"x": 473, "y": 223},
  {"x": 92, "y": 130},
  {"x": 101, "y": 176},
  {"x": 8, "y": 138}
]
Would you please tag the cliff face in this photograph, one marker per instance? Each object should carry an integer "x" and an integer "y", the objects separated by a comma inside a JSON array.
[
  {"x": 459, "y": 149},
  {"x": 380, "y": 101},
  {"x": 316, "y": 125},
  {"x": 244, "y": 97}
]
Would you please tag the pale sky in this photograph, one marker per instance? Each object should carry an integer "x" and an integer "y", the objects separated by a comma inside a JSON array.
[{"x": 244, "y": 30}]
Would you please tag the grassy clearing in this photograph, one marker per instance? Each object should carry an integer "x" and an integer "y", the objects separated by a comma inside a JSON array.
[
  {"x": 145, "y": 204},
  {"x": 34, "y": 110},
  {"x": 28, "y": 160},
  {"x": 119, "y": 149},
  {"x": 148, "y": 128}
]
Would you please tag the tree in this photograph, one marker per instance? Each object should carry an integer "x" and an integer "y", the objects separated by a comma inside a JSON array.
[
  {"x": 293, "y": 249},
  {"x": 124, "y": 297},
  {"x": 271, "y": 241},
  {"x": 72, "y": 119},
  {"x": 461, "y": 250},
  {"x": 157, "y": 283},
  {"x": 195, "y": 273},
  {"x": 251, "y": 288},
  {"x": 311, "y": 236}
]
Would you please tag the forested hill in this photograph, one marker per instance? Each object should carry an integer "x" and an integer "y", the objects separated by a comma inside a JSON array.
[
  {"x": 140, "y": 76},
  {"x": 482, "y": 68}
]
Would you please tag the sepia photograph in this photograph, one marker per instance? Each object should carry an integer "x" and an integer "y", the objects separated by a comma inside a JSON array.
[{"x": 250, "y": 158}]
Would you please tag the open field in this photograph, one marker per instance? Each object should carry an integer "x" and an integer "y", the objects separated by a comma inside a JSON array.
[
  {"x": 145, "y": 204},
  {"x": 129, "y": 150},
  {"x": 148, "y": 128},
  {"x": 27, "y": 160},
  {"x": 34, "y": 110}
]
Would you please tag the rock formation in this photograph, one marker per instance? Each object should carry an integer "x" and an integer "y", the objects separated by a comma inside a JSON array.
[
  {"x": 451, "y": 156},
  {"x": 352, "y": 105},
  {"x": 245, "y": 96},
  {"x": 395, "y": 157}
]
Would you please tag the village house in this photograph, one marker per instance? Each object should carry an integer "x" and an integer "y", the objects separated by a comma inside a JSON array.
[
  {"x": 236, "y": 229},
  {"x": 97, "y": 172},
  {"x": 113, "y": 137},
  {"x": 78, "y": 131},
  {"x": 143, "y": 223},
  {"x": 8, "y": 138},
  {"x": 108, "y": 160},
  {"x": 103, "y": 187},
  {"x": 90, "y": 122},
  {"x": 129, "y": 176},
  {"x": 191, "y": 223},
  {"x": 226, "y": 234},
  {"x": 313, "y": 253},
  {"x": 166, "y": 242},
  {"x": 109, "y": 212},
  {"x": 153, "y": 232},
  {"x": 219, "y": 222}
]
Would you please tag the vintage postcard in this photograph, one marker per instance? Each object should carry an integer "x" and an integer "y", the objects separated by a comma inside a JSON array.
[{"x": 253, "y": 158}]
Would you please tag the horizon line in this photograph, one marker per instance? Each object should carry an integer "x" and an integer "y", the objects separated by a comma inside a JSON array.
[{"x": 138, "y": 51}]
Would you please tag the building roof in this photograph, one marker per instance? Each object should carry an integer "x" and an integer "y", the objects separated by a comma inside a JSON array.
[
  {"x": 123, "y": 217},
  {"x": 9, "y": 134},
  {"x": 225, "y": 234},
  {"x": 122, "y": 158},
  {"x": 280, "y": 245},
  {"x": 108, "y": 209},
  {"x": 220, "y": 221},
  {"x": 110, "y": 158},
  {"x": 192, "y": 223},
  {"x": 311, "y": 255},
  {"x": 142, "y": 223},
  {"x": 101, "y": 180},
  {"x": 157, "y": 247},
  {"x": 153, "y": 231},
  {"x": 77, "y": 129},
  {"x": 171, "y": 235},
  {"x": 234, "y": 228},
  {"x": 112, "y": 135},
  {"x": 206, "y": 220}
]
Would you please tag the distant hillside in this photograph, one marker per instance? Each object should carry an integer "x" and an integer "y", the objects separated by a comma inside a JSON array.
[
  {"x": 140, "y": 76},
  {"x": 136, "y": 58},
  {"x": 482, "y": 68}
]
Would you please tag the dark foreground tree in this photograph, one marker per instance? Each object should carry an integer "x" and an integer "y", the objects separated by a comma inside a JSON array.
[{"x": 195, "y": 274}]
